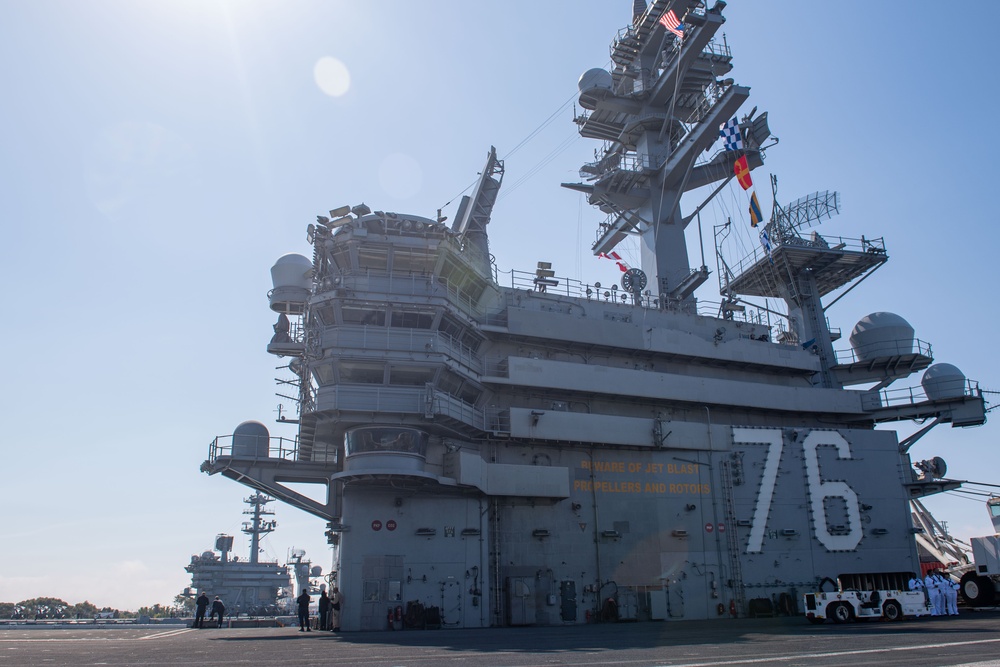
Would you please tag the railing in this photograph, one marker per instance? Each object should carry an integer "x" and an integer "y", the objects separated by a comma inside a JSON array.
[
  {"x": 586, "y": 292},
  {"x": 296, "y": 332},
  {"x": 403, "y": 340},
  {"x": 633, "y": 162},
  {"x": 413, "y": 401},
  {"x": 889, "y": 398},
  {"x": 429, "y": 286},
  {"x": 712, "y": 94},
  {"x": 424, "y": 285},
  {"x": 629, "y": 33},
  {"x": 717, "y": 50},
  {"x": 890, "y": 348},
  {"x": 253, "y": 447},
  {"x": 498, "y": 420},
  {"x": 604, "y": 228},
  {"x": 446, "y": 405},
  {"x": 871, "y": 246},
  {"x": 832, "y": 243},
  {"x": 375, "y": 398}
]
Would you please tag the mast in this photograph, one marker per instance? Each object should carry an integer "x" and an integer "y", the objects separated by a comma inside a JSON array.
[
  {"x": 657, "y": 111},
  {"x": 257, "y": 527}
]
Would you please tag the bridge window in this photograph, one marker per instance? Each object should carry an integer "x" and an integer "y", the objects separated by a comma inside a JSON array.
[
  {"x": 373, "y": 258},
  {"x": 412, "y": 319},
  {"x": 411, "y": 376},
  {"x": 360, "y": 315},
  {"x": 361, "y": 373},
  {"x": 412, "y": 261},
  {"x": 367, "y": 439}
]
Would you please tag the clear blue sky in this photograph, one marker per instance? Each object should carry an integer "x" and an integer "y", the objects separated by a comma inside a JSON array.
[{"x": 159, "y": 156}]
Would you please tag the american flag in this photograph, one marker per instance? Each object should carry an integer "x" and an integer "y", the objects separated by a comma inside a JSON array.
[{"x": 670, "y": 22}]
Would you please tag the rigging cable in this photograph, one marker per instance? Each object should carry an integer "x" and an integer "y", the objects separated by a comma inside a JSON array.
[{"x": 545, "y": 123}]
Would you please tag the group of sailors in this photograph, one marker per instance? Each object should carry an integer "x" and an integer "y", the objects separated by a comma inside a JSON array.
[{"x": 941, "y": 592}]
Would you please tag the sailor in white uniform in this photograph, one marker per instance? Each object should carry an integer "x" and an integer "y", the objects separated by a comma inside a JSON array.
[
  {"x": 917, "y": 584},
  {"x": 951, "y": 596},
  {"x": 933, "y": 593},
  {"x": 944, "y": 587}
]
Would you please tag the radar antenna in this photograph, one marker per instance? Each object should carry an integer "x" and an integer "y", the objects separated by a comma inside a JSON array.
[{"x": 804, "y": 212}]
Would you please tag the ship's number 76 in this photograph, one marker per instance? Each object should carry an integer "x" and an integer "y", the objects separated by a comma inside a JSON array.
[{"x": 847, "y": 537}]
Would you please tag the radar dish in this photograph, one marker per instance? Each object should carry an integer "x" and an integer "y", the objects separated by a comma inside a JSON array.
[
  {"x": 940, "y": 468},
  {"x": 943, "y": 381},
  {"x": 595, "y": 78}
]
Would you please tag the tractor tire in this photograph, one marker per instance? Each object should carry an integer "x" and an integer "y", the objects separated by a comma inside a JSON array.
[{"x": 977, "y": 591}]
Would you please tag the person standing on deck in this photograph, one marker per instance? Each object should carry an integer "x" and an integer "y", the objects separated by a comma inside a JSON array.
[
  {"x": 933, "y": 593},
  {"x": 218, "y": 609},
  {"x": 324, "y": 611},
  {"x": 304, "y": 601},
  {"x": 951, "y": 588},
  {"x": 336, "y": 600},
  {"x": 201, "y": 605}
]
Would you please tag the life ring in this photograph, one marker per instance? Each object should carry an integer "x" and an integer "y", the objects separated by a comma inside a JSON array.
[{"x": 732, "y": 608}]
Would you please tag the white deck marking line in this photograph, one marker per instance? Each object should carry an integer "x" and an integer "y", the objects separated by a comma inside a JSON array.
[
  {"x": 158, "y": 635},
  {"x": 168, "y": 633},
  {"x": 799, "y": 656}
]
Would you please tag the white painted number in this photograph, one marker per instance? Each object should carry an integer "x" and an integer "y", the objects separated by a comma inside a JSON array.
[
  {"x": 772, "y": 438},
  {"x": 847, "y": 537}
]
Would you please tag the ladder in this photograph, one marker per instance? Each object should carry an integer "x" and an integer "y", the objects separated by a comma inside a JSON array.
[{"x": 732, "y": 539}]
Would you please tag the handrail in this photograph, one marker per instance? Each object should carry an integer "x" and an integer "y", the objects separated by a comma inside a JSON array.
[
  {"x": 891, "y": 348},
  {"x": 365, "y": 337},
  {"x": 251, "y": 447},
  {"x": 578, "y": 290},
  {"x": 831, "y": 243},
  {"x": 917, "y": 394}
]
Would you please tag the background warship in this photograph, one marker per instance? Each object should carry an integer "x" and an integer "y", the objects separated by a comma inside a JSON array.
[
  {"x": 549, "y": 451},
  {"x": 250, "y": 585}
]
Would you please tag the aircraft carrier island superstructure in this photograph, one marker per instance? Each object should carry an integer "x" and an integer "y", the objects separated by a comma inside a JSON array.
[
  {"x": 554, "y": 452},
  {"x": 250, "y": 585}
]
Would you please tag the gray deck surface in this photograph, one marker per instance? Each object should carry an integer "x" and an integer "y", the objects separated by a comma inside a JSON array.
[{"x": 971, "y": 639}]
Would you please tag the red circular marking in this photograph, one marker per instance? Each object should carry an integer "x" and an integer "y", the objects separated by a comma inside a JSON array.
[
  {"x": 722, "y": 527},
  {"x": 390, "y": 525},
  {"x": 376, "y": 525},
  {"x": 708, "y": 527}
]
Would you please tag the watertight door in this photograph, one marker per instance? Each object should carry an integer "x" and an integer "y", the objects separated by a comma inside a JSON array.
[
  {"x": 567, "y": 595},
  {"x": 521, "y": 600}
]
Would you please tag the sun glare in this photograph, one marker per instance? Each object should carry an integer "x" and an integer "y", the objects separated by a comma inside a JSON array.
[{"x": 332, "y": 76}]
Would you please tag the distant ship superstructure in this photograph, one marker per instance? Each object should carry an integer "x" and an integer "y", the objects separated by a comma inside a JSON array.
[
  {"x": 249, "y": 585},
  {"x": 553, "y": 452}
]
